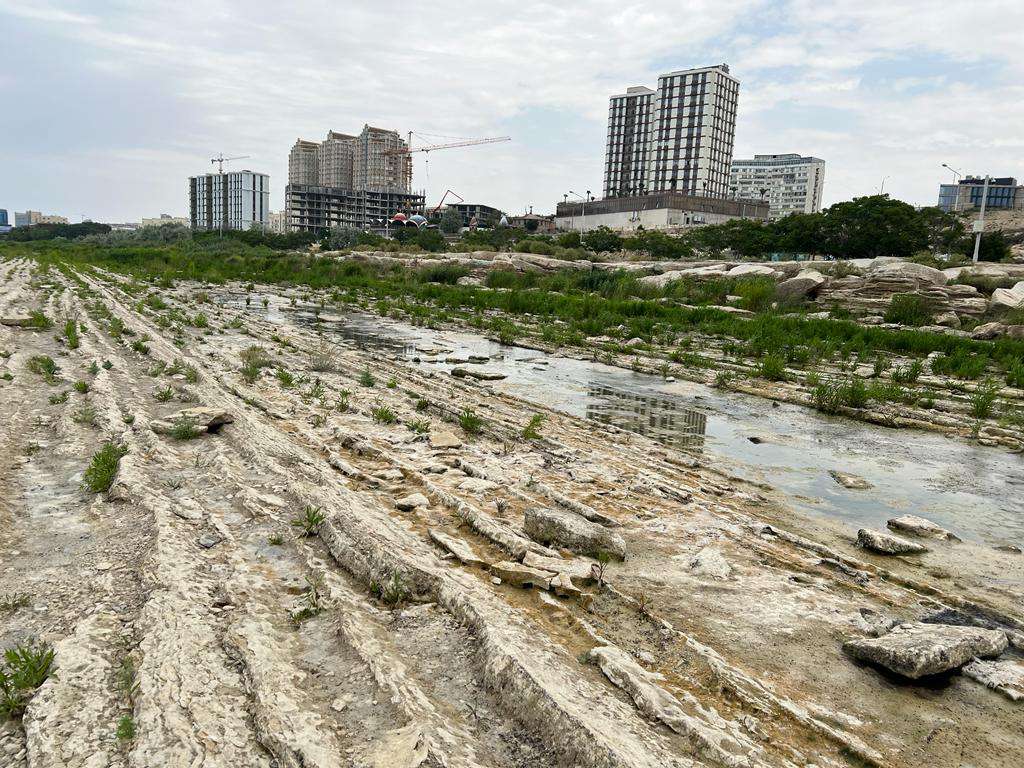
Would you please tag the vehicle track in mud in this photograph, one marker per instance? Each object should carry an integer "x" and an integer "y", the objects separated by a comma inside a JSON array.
[{"x": 462, "y": 671}]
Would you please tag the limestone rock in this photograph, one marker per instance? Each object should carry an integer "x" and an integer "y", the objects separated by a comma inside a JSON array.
[
  {"x": 887, "y": 544},
  {"x": 988, "y": 331},
  {"x": 947, "y": 320},
  {"x": 575, "y": 533},
  {"x": 442, "y": 440},
  {"x": 748, "y": 270},
  {"x": 209, "y": 540},
  {"x": 1007, "y": 298},
  {"x": 201, "y": 418},
  {"x": 711, "y": 563},
  {"x": 522, "y": 575},
  {"x": 458, "y": 547},
  {"x": 469, "y": 280},
  {"x": 915, "y": 649},
  {"x": 579, "y": 570},
  {"x": 847, "y": 480},
  {"x": 919, "y": 526},
  {"x": 919, "y": 272},
  {"x": 1007, "y": 677},
  {"x": 470, "y": 373},
  {"x": 411, "y": 502},
  {"x": 477, "y": 485},
  {"x": 806, "y": 283}
]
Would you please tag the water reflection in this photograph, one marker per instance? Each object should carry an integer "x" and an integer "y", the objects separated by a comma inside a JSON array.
[{"x": 664, "y": 419}]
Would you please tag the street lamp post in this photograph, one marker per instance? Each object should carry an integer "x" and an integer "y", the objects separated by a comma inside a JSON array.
[
  {"x": 583, "y": 221},
  {"x": 979, "y": 225},
  {"x": 956, "y": 180}
]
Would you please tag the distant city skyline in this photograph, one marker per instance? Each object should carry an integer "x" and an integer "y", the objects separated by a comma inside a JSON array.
[{"x": 110, "y": 108}]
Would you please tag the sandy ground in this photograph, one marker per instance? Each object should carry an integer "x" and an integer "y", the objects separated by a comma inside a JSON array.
[{"x": 187, "y": 601}]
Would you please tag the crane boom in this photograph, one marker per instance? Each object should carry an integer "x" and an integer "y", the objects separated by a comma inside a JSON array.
[
  {"x": 431, "y": 147},
  {"x": 220, "y": 160}
]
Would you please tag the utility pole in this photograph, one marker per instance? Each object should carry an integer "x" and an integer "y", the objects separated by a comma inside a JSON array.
[{"x": 979, "y": 225}]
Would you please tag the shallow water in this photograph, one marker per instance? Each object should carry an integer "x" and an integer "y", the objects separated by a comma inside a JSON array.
[{"x": 975, "y": 491}]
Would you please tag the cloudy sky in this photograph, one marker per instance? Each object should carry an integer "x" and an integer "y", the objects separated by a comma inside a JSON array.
[{"x": 108, "y": 107}]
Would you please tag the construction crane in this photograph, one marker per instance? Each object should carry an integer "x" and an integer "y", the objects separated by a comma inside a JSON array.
[
  {"x": 220, "y": 160},
  {"x": 408, "y": 150},
  {"x": 433, "y": 213}
]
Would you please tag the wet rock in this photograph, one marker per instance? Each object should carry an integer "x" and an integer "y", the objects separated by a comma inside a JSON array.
[
  {"x": 847, "y": 480},
  {"x": 443, "y": 440},
  {"x": 458, "y": 547},
  {"x": 988, "y": 331},
  {"x": 711, "y": 563},
  {"x": 919, "y": 526},
  {"x": 915, "y": 650},
  {"x": 575, "y": 533},
  {"x": 464, "y": 373},
  {"x": 1007, "y": 677},
  {"x": 411, "y": 502},
  {"x": 209, "y": 540},
  {"x": 477, "y": 485},
  {"x": 522, "y": 575},
  {"x": 887, "y": 544}
]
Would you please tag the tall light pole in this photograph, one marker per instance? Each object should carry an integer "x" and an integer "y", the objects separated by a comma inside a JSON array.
[
  {"x": 956, "y": 180},
  {"x": 583, "y": 223},
  {"x": 979, "y": 225}
]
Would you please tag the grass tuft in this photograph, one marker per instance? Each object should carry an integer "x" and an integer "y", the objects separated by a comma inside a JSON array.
[
  {"x": 25, "y": 667},
  {"x": 310, "y": 522},
  {"x": 99, "y": 475}
]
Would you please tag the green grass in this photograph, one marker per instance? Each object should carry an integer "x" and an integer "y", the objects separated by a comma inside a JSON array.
[
  {"x": 422, "y": 404},
  {"x": 99, "y": 475},
  {"x": 125, "y": 728},
  {"x": 310, "y": 521},
  {"x": 71, "y": 333},
  {"x": 185, "y": 429},
  {"x": 419, "y": 426},
  {"x": 382, "y": 414},
  {"x": 286, "y": 379},
  {"x": 81, "y": 387},
  {"x": 45, "y": 366},
  {"x": 254, "y": 359},
  {"x": 26, "y": 666},
  {"x": 773, "y": 368},
  {"x": 85, "y": 414},
  {"x": 164, "y": 395},
  {"x": 140, "y": 346},
  {"x": 470, "y": 422},
  {"x": 38, "y": 319},
  {"x": 532, "y": 429},
  {"x": 366, "y": 378},
  {"x": 59, "y": 399},
  {"x": 910, "y": 309},
  {"x": 94, "y": 368},
  {"x": 983, "y": 399},
  {"x": 908, "y": 374}
]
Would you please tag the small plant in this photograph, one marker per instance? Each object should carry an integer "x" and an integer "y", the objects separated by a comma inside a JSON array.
[
  {"x": 773, "y": 368},
  {"x": 319, "y": 419},
  {"x": 908, "y": 374},
  {"x": 532, "y": 430},
  {"x": 99, "y": 475},
  {"x": 323, "y": 360},
  {"x": 984, "y": 398},
  {"x": 126, "y": 728},
  {"x": 25, "y": 667},
  {"x": 285, "y": 378},
  {"x": 881, "y": 365},
  {"x": 342, "y": 402},
  {"x": 394, "y": 591},
  {"x": 159, "y": 368},
  {"x": 310, "y": 521},
  {"x": 254, "y": 359},
  {"x": 37, "y": 319},
  {"x": 470, "y": 422},
  {"x": 140, "y": 346},
  {"x": 164, "y": 395},
  {"x": 422, "y": 404},
  {"x": 184, "y": 429},
  {"x": 366, "y": 378},
  {"x": 45, "y": 366},
  {"x": 201, "y": 320},
  {"x": 722, "y": 379},
  {"x": 392, "y": 383},
  {"x": 855, "y": 393},
  {"x": 419, "y": 426},
  {"x": 382, "y": 414},
  {"x": 128, "y": 418},
  {"x": 909, "y": 309},
  {"x": 94, "y": 368},
  {"x": 311, "y": 603},
  {"x": 598, "y": 569},
  {"x": 59, "y": 399},
  {"x": 275, "y": 539},
  {"x": 85, "y": 414},
  {"x": 316, "y": 390},
  {"x": 11, "y": 603},
  {"x": 71, "y": 333},
  {"x": 81, "y": 387}
]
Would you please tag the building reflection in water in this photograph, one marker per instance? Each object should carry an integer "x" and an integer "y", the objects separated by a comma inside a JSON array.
[{"x": 664, "y": 419}]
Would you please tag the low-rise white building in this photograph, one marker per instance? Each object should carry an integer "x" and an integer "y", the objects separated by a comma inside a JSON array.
[
  {"x": 789, "y": 183},
  {"x": 162, "y": 219},
  {"x": 233, "y": 200},
  {"x": 664, "y": 211}
]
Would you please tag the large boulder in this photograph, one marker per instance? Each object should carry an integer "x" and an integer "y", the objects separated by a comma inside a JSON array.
[
  {"x": 887, "y": 544},
  {"x": 908, "y": 269},
  {"x": 753, "y": 270},
  {"x": 805, "y": 284},
  {"x": 915, "y": 650},
  {"x": 919, "y": 526},
  {"x": 988, "y": 331},
  {"x": 200, "y": 419},
  {"x": 1007, "y": 298},
  {"x": 574, "y": 532}
]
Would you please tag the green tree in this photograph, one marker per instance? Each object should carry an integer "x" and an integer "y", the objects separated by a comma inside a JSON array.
[
  {"x": 570, "y": 239},
  {"x": 430, "y": 240},
  {"x": 868, "y": 227},
  {"x": 658, "y": 245},
  {"x": 451, "y": 221},
  {"x": 342, "y": 237},
  {"x": 601, "y": 239},
  {"x": 993, "y": 247}
]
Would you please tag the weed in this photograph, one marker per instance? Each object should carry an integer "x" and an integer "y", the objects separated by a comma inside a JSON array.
[
  {"x": 128, "y": 418},
  {"x": 310, "y": 521},
  {"x": 366, "y": 378},
  {"x": 164, "y": 395},
  {"x": 532, "y": 429},
  {"x": 319, "y": 419},
  {"x": 392, "y": 383},
  {"x": 201, "y": 320},
  {"x": 960, "y": 364},
  {"x": 1015, "y": 375},
  {"x": 470, "y": 422},
  {"x": 342, "y": 402},
  {"x": 285, "y": 378},
  {"x": 881, "y": 365},
  {"x": 394, "y": 591},
  {"x": 254, "y": 359},
  {"x": 598, "y": 569},
  {"x": 37, "y": 319},
  {"x": 184, "y": 429},
  {"x": 25, "y": 667},
  {"x": 275, "y": 539},
  {"x": 125, "y": 728},
  {"x": 94, "y": 368},
  {"x": 71, "y": 333},
  {"x": 722, "y": 379},
  {"x": 157, "y": 369},
  {"x": 323, "y": 360},
  {"x": 59, "y": 399},
  {"x": 909, "y": 309},
  {"x": 140, "y": 346},
  {"x": 422, "y": 404},
  {"x": 983, "y": 399},
  {"x": 99, "y": 475},
  {"x": 382, "y": 414},
  {"x": 85, "y": 414},
  {"x": 908, "y": 374},
  {"x": 855, "y": 393},
  {"x": 316, "y": 390},
  {"x": 45, "y": 366},
  {"x": 773, "y": 368},
  {"x": 81, "y": 387},
  {"x": 311, "y": 603},
  {"x": 419, "y": 426},
  {"x": 11, "y": 603}
]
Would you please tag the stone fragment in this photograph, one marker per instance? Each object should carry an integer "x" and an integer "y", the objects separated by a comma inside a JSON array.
[
  {"x": 477, "y": 485},
  {"x": 873, "y": 623},
  {"x": 747, "y": 270},
  {"x": 915, "y": 650},
  {"x": 562, "y": 586},
  {"x": 522, "y": 575},
  {"x": 443, "y": 440},
  {"x": 919, "y": 526},
  {"x": 472, "y": 373},
  {"x": 201, "y": 418},
  {"x": 907, "y": 269},
  {"x": 849, "y": 481},
  {"x": 209, "y": 540},
  {"x": 411, "y": 502},
  {"x": 458, "y": 547},
  {"x": 575, "y": 533},
  {"x": 711, "y": 563},
  {"x": 988, "y": 331},
  {"x": 1007, "y": 676},
  {"x": 1007, "y": 298},
  {"x": 888, "y": 544},
  {"x": 576, "y": 569},
  {"x": 947, "y": 320}
]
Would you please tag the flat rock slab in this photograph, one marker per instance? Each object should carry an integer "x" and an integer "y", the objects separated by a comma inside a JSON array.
[
  {"x": 1007, "y": 677},
  {"x": 443, "y": 440},
  {"x": 916, "y": 649},
  {"x": 919, "y": 526},
  {"x": 411, "y": 502},
  {"x": 887, "y": 544},
  {"x": 458, "y": 547},
  {"x": 579, "y": 570},
  {"x": 477, "y": 485},
  {"x": 847, "y": 480},
  {"x": 201, "y": 418},
  {"x": 522, "y": 575},
  {"x": 463, "y": 373},
  {"x": 574, "y": 532}
]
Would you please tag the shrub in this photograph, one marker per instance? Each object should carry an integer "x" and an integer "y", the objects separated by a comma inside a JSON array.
[
  {"x": 984, "y": 398},
  {"x": 773, "y": 368},
  {"x": 99, "y": 475},
  {"x": 909, "y": 309}
]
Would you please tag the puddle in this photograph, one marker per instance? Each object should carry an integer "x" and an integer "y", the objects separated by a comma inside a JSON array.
[{"x": 973, "y": 490}]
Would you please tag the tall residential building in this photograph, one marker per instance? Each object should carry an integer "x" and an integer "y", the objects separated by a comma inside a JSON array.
[
  {"x": 678, "y": 138},
  {"x": 790, "y": 183},
  {"x": 232, "y": 200},
  {"x": 352, "y": 181},
  {"x": 3, "y": 217},
  {"x": 1003, "y": 194}
]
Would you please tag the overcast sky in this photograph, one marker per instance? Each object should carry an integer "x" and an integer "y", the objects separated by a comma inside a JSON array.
[{"x": 108, "y": 107}]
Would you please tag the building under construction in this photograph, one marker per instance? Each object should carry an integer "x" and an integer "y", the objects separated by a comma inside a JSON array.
[{"x": 349, "y": 181}]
